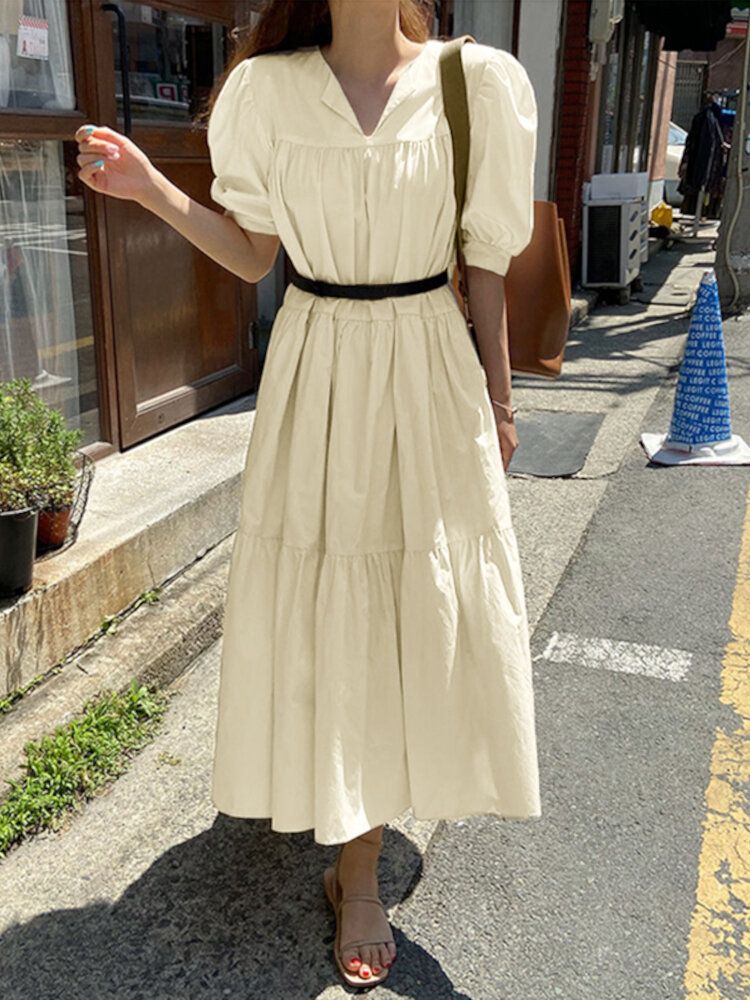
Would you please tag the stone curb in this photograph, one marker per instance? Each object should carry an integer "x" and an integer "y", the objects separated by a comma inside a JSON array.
[{"x": 153, "y": 644}]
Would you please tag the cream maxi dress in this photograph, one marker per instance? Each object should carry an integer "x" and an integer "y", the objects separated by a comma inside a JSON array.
[{"x": 376, "y": 645}]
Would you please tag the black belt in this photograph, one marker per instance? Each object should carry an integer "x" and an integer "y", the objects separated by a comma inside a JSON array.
[{"x": 376, "y": 291}]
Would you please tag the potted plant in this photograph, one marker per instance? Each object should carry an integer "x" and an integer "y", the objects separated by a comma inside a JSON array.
[
  {"x": 20, "y": 496},
  {"x": 37, "y": 472},
  {"x": 18, "y": 526},
  {"x": 56, "y": 473}
]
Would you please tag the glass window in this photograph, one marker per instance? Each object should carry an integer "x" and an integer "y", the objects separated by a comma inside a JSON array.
[
  {"x": 173, "y": 60},
  {"x": 644, "y": 98},
  {"x": 36, "y": 70},
  {"x": 608, "y": 105},
  {"x": 46, "y": 331},
  {"x": 627, "y": 95}
]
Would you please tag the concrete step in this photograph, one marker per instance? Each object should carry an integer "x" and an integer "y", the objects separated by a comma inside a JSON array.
[
  {"x": 151, "y": 512},
  {"x": 153, "y": 644}
]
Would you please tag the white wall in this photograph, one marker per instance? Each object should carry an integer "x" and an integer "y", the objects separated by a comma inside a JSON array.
[
  {"x": 491, "y": 21},
  {"x": 538, "y": 43}
]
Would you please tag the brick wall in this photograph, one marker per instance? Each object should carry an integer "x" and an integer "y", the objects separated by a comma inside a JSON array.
[{"x": 574, "y": 121}]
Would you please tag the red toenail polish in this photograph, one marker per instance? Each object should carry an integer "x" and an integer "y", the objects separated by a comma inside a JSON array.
[
  {"x": 376, "y": 969},
  {"x": 365, "y": 973}
]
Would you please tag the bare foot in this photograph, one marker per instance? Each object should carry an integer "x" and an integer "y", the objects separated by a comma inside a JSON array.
[{"x": 358, "y": 873}]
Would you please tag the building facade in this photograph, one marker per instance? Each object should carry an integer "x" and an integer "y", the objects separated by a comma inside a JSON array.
[{"x": 116, "y": 318}]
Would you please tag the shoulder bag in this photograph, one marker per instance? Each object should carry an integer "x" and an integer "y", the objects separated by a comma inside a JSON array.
[{"x": 537, "y": 283}]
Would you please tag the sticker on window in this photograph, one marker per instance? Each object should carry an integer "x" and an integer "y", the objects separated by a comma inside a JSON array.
[{"x": 33, "y": 34}]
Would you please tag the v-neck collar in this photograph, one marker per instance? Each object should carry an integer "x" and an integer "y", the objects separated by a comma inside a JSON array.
[{"x": 334, "y": 97}]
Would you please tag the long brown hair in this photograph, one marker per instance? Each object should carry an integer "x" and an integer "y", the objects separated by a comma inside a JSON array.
[{"x": 292, "y": 24}]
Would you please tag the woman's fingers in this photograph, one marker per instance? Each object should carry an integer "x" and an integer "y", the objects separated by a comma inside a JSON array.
[
  {"x": 112, "y": 163},
  {"x": 101, "y": 132},
  {"x": 84, "y": 132},
  {"x": 86, "y": 159},
  {"x": 97, "y": 143},
  {"x": 90, "y": 156},
  {"x": 110, "y": 134},
  {"x": 93, "y": 176},
  {"x": 99, "y": 146}
]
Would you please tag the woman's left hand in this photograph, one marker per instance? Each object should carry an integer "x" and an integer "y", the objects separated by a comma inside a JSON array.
[{"x": 507, "y": 435}]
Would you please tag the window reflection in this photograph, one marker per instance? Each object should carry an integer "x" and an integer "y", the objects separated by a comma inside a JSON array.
[
  {"x": 608, "y": 104},
  {"x": 45, "y": 294},
  {"x": 173, "y": 59}
]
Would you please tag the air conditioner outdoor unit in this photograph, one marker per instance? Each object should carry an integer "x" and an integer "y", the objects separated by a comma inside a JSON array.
[{"x": 611, "y": 242}]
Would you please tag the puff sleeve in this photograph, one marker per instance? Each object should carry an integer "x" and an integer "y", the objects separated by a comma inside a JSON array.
[
  {"x": 498, "y": 216},
  {"x": 240, "y": 151}
]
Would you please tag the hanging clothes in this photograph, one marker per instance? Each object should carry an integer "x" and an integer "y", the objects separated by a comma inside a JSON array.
[{"x": 702, "y": 163}]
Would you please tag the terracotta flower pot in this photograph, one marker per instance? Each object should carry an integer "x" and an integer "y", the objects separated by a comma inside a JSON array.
[
  {"x": 53, "y": 528},
  {"x": 17, "y": 549}
]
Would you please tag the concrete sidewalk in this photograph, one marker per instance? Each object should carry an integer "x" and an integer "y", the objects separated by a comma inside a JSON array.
[
  {"x": 149, "y": 894},
  {"x": 616, "y": 360}
]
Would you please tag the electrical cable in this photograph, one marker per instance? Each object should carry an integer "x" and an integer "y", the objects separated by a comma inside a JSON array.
[{"x": 739, "y": 135}]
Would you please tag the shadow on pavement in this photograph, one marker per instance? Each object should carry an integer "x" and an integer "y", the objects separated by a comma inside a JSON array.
[{"x": 237, "y": 911}]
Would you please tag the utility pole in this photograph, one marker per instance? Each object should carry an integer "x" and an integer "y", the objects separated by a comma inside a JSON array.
[{"x": 733, "y": 244}]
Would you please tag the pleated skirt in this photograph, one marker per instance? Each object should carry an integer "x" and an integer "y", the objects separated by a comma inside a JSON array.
[{"x": 375, "y": 655}]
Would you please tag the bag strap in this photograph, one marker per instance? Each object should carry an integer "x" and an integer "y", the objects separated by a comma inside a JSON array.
[{"x": 456, "y": 105}]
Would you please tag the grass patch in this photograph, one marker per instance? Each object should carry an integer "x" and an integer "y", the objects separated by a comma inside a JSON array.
[{"x": 65, "y": 769}]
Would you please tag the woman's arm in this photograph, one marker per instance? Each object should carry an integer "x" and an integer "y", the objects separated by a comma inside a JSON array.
[
  {"x": 486, "y": 292},
  {"x": 125, "y": 172},
  {"x": 498, "y": 215}
]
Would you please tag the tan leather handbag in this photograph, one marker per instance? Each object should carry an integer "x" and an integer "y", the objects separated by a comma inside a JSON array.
[{"x": 537, "y": 283}]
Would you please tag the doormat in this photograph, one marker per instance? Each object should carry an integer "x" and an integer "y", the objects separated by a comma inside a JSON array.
[{"x": 553, "y": 443}]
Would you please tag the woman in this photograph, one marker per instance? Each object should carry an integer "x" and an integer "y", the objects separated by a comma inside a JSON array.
[{"x": 376, "y": 650}]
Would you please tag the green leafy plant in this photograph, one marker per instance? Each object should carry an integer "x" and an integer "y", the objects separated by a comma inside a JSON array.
[
  {"x": 57, "y": 470},
  {"x": 37, "y": 451},
  {"x": 17, "y": 490},
  {"x": 71, "y": 765}
]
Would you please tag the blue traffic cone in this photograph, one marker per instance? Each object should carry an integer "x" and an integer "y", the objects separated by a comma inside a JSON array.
[
  {"x": 701, "y": 405},
  {"x": 700, "y": 432}
]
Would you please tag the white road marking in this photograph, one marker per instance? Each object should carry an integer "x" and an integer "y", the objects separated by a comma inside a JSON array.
[{"x": 614, "y": 654}]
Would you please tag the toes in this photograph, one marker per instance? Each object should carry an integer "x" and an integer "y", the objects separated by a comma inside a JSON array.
[
  {"x": 351, "y": 960},
  {"x": 391, "y": 951},
  {"x": 364, "y": 970},
  {"x": 385, "y": 958},
  {"x": 368, "y": 956}
]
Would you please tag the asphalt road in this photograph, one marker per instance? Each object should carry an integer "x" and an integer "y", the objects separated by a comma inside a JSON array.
[
  {"x": 149, "y": 895},
  {"x": 593, "y": 901}
]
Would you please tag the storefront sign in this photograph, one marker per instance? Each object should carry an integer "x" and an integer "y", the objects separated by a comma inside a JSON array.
[{"x": 167, "y": 91}]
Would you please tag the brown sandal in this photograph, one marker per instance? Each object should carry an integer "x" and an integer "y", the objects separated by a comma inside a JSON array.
[{"x": 333, "y": 892}]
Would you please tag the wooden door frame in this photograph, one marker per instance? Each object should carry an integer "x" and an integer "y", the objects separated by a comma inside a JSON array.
[
  {"x": 95, "y": 106},
  {"x": 176, "y": 144},
  {"x": 61, "y": 126}
]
